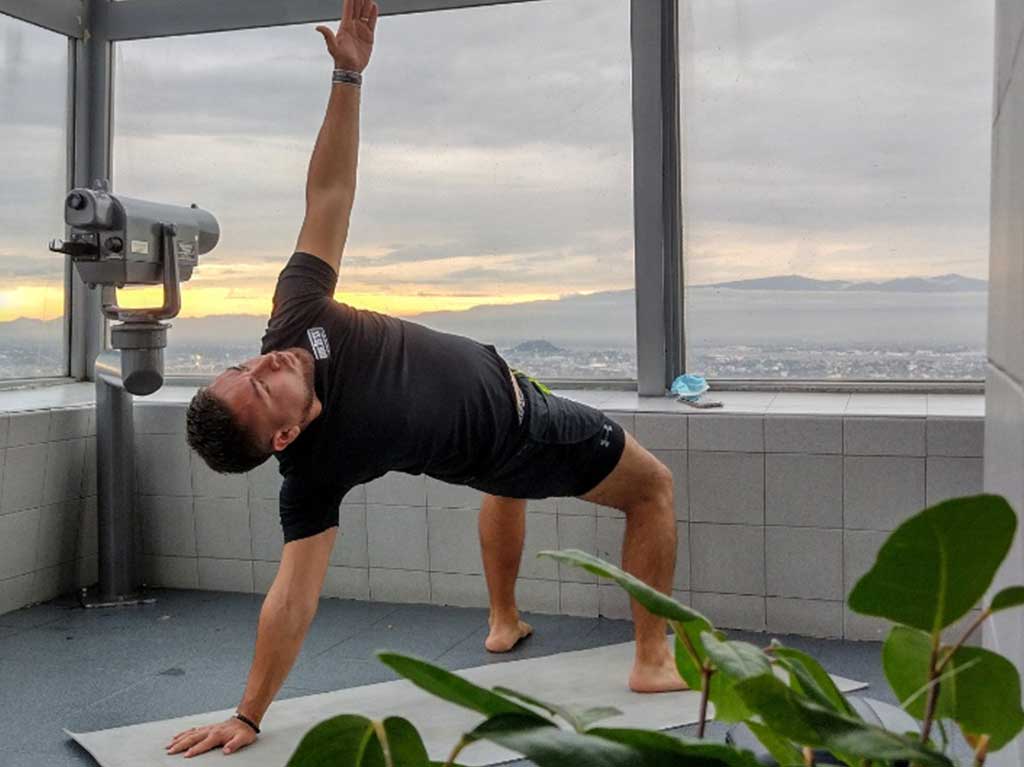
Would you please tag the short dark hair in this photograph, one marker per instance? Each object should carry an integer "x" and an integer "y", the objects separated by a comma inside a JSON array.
[{"x": 214, "y": 433}]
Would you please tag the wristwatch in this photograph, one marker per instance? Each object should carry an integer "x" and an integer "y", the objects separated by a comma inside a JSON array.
[{"x": 347, "y": 76}]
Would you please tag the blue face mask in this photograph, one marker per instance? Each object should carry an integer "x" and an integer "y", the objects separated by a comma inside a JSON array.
[{"x": 689, "y": 386}]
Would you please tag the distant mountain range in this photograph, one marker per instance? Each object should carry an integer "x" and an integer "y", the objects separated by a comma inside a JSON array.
[
  {"x": 573, "y": 320},
  {"x": 945, "y": 283}
]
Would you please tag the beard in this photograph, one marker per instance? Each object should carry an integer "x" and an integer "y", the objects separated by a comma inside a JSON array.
[{"x": 308, "y": 368}]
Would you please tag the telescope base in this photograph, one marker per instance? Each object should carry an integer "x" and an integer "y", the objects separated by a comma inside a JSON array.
[{"x": 89, "y": 598}]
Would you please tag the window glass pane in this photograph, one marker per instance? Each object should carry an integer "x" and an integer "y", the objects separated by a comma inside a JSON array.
[
  {"x": 33, "y": 134},
  {"x": 836, "y": 187},
  {"x": 495, "y": 176}
]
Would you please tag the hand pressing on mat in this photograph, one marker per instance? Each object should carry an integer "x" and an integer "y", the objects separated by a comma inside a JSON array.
[{"x": 233, "y": 734}]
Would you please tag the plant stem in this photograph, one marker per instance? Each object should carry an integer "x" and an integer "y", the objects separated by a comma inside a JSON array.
[
  {"x": 981, "y": 753},
  {"x": 385, "y": 747},
  {"x": 705, "y": 688},
  {"x": 463, "y": 742},
  {"x": 973, "y": 627},
  {"x": 933, "y": 690}
]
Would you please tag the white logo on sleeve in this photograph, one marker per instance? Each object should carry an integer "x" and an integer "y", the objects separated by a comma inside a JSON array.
[
  {"x": 319, "y": 343},
  {"x": 607, "y": 434}
]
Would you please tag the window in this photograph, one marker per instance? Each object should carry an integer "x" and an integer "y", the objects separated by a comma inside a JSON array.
[
  {"x": 836, "y": 166},
  {"x": 33, "y": 134},
  {"x": 495, "y": 176}
]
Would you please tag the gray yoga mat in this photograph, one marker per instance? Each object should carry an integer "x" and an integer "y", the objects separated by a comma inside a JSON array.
[{"x": 595, "y": 677}]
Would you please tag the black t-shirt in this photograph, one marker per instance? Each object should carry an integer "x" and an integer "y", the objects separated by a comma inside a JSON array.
[{"x": 396, "y": 396}]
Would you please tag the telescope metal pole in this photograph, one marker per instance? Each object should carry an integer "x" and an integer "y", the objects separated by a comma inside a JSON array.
[{"x": 120, "y": 578}]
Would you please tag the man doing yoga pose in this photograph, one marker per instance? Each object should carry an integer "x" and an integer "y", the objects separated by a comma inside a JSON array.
[{"x": 340, "y": 396}]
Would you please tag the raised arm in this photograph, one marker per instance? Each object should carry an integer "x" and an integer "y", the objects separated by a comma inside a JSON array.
[{"x": 331, "y": 182}]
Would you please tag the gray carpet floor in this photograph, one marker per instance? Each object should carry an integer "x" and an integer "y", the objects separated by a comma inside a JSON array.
[{"x": 63, "y": 666}]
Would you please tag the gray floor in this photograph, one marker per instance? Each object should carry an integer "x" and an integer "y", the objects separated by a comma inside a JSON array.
[{"x": 63, "y": 666}]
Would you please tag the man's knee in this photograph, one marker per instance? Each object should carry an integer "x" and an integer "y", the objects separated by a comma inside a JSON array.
[
  {"x": 656, "y": 494},
  {"x": 662, "y": 486}
]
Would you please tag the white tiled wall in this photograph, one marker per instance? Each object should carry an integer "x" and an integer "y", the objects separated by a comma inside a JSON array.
[
  {"x": 1004, "y": 429},
  {"x": 48, "y": 531},
  {"x": 778, "y": 513}
]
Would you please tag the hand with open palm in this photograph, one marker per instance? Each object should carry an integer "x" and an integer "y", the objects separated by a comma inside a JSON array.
[{"x": 352, "y": 44}]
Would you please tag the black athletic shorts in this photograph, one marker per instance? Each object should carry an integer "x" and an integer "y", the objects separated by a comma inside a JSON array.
[{"x": 561, "y": 449}]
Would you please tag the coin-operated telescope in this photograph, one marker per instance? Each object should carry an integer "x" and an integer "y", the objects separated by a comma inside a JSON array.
[{"x": 114, "y": 242}]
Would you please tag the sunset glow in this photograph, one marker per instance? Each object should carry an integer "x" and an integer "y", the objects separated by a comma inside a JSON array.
[
  {"x": 40, "y": 302},
  {"x": 46, "y": 302}
]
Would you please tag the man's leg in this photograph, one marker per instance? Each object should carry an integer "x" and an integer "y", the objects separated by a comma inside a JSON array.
[
  {"x": 502, "y": 531},
  {"x": 641, "y": 486}
]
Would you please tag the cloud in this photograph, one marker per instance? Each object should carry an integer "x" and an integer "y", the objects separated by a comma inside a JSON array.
[
  {"x": 837, "y": 139},
  {"x": 33, "y": 71},
  {"x": 479, "y": 77}
]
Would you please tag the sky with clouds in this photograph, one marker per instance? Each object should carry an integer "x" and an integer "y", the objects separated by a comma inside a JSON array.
[{"x": 847, "y": 139}]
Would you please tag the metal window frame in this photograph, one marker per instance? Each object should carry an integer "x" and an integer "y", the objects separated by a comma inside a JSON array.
[
  {"x": 657, "y": 196},
  {"x": 92, "y": 27},
  {"x": 64, "y": 16},
  {"x": 145, "y": 19},
  {"x": 90, "y": 149}
]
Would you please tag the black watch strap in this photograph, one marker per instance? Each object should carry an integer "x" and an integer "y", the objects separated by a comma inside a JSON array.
[
  {"x": 248, "y": 721},
  {"x": 347, "y": 76}
]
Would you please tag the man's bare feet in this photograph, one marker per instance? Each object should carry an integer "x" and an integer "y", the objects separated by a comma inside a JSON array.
[
  {"x": 506, "y": 634},
  {"x": 660, "y": 676}
]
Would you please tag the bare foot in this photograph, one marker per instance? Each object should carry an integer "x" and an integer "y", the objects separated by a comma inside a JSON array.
[
  {"x": 505, "y": 635},
  {"x": 656, "y": 677}
]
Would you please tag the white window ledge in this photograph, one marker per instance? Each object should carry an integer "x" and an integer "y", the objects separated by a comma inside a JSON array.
[{"x": 762, "y": 403}]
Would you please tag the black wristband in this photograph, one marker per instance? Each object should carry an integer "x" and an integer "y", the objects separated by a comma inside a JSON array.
[{"x": 248, "y": 721}]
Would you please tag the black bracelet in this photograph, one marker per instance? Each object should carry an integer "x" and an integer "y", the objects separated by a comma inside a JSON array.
[
  {"x": 248, "y": 721},
  {"x": 347, "y": 76}
]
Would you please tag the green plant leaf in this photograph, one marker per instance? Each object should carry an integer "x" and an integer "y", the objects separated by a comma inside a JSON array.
[
  {"x": 979, "y": 689},
  {"x": 687, "y": 665},
  {"x": 739, "y": 660},
  {"x": 733, "y": 661},
  {"x": 1012, "y": 596},
  {"x": 549, "y": 746},
  {"x": 657, "y": 603},
  {"x": 586, "y": 716},
  {"x": 679, "y": 750},
  {"x": 404, "y": 743},
  {"x": 348, "y": 739},
  {"x": 782, "y": 749},
  {"x": 906, "y": 656},
  {"x": 728, "y": 706},
  {"x": 451, "y": 687},
  {"x": 938, "y": 564},
  {"x": 810, "y": 678},
  {"x": 987, "y": 696},
  {"x": 793, "y": 717},
  {"x": 578, "y": 717}
]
